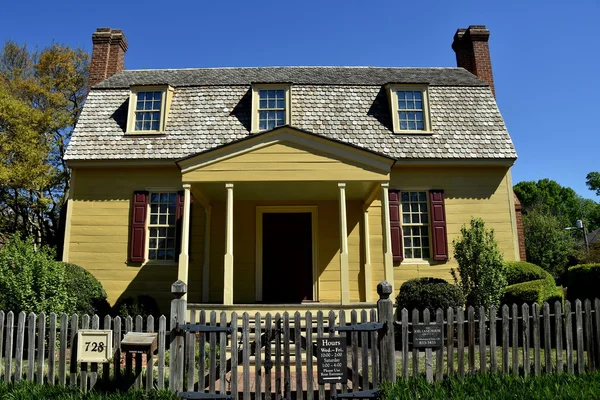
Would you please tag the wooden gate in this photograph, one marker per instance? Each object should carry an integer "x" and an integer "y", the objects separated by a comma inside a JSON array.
[{"x": 273, "y": 356}]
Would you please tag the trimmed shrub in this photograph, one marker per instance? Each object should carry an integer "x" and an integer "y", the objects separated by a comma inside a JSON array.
[
  {"x": 89, "y": 295},
  {"x": 431, "y": 293},
  {"x": 143, "y": 305},
  {"x": 522, "y": 271},
  {"x": 31, "y": 280},
  {"x": 583, "y": 282},
  {"x": 529, "y": 283}
]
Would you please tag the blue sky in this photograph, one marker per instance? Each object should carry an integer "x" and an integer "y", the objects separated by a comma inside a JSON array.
[{"x": 545, "y": 54}]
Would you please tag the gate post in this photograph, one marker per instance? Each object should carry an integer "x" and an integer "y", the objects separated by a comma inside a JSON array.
[
  {"x": 385, "y": 312},
  {"x": 176, "y": 337}
]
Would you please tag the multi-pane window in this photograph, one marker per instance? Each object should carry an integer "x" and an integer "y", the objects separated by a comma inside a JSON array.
[
  {"x": 147, "y": 111},
  {"x": 162, "y": 235},
  {"x": 415, "y": 224},
  {"x": 271, "y": 108},
  {"x": 410, "y": 110}
]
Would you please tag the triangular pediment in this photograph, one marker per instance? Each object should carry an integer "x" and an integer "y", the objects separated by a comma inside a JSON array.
[{"x": 287, "y": 154}]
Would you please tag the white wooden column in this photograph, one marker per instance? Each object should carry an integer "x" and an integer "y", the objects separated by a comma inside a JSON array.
[
  {"x": 344, "y": 272},
  {"x": 228, "y": 261},
  {"x": 206, "y": 264},
  {"x": 367, "y": 242},
  {"x": 388, "y": 259},
  {"x": 184, "y": 256}
]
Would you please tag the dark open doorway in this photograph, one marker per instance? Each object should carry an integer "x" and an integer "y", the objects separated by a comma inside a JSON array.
[{"x": 287, "y": 257}]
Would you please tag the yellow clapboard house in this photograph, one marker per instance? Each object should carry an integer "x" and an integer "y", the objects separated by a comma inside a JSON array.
[{"x": 284, "y": 186}]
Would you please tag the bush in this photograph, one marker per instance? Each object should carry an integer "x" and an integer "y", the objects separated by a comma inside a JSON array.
[
  {"x": 88, "y": 293},
  {"x": 529, "y": 283},
  {"x": 431, "y": 293},
  {"x": 583, "y": 282},
  {"x": 480, "y": 265},
  {"x": 143, "y": 305},
  {"x": 522, "y": 271},
  {"x": 31, "y": 280}
]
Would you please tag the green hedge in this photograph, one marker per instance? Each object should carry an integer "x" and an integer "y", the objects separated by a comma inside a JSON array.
[
  {"x": 583, "y": 282},
  {"x": 522, "y": 271},
  {"x": 529, "y": 283},
  {"x": 31, "y": 280},
  {"x": 431, "y": 293},
  {"x": 87, "y": 291},
  {"x": 497, "y": 387}
]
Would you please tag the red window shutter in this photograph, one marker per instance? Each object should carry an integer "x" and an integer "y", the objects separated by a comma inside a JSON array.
[
  {"x": 137, "y": 250},
  {"x": 395, "y": 226},
  {"x": 438, "y": 225}
]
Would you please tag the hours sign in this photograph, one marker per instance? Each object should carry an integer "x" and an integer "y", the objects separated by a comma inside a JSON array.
[{"x": 332, "y": 360}]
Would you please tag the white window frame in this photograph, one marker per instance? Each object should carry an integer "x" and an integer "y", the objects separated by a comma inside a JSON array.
[
  {"x": 167, "y": 94},
  {"x": 256, "y": 88},
  {"x": 416, "y": 260},
  {"x": 148, "y": 226},
  {"x": 392, "y": 90}
]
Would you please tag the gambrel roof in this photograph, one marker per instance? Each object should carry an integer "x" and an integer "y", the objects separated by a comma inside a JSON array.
[{"x": 212, "y": 107}]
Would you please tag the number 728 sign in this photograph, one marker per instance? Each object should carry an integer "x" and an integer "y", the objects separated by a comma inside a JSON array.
[{"x": 94, "y": 345}]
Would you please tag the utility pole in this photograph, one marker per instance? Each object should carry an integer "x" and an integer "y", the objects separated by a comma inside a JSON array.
[{"x": 581, "y": 226}]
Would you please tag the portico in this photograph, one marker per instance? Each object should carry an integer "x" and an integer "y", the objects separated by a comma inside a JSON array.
[{"x": 291, "y": 207}]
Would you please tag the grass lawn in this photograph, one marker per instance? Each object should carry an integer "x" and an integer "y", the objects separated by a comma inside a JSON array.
[
  {"x": 32, "y": 391},
  {"x": 497, "y": 386}
]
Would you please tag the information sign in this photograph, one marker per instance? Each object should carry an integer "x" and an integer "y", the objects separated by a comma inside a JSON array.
[
  {"x": 332, "y": 360},
  {"x": 428, "y": 335}
]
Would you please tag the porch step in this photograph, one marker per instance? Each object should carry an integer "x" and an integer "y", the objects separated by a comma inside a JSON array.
[{"x": 273, "y": 347}]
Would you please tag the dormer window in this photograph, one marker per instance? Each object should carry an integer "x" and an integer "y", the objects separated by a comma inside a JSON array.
[
  {"x": 148, "y": 108},
  {"x": 147, "y": 111},
  {"x": 410, "y": 108},
  {"x": 271, "y": 107}
]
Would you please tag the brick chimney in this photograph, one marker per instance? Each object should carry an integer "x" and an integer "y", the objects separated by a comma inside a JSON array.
[
  {"x": 473, "y": 53},
  {"x": 108, "y": 54}
]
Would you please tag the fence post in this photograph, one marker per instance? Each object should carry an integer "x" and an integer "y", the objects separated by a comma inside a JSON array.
[
  {"x": 176, "y": 337},
  {"x": 385, "y": 311}
]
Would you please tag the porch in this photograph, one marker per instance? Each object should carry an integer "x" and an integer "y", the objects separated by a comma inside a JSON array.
[{"x": 287, "y": 224}]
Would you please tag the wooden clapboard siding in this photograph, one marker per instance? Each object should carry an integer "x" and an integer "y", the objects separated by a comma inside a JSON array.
[
  {"x": 244, "y": 251},
  {"x": 482, "y": 192},
  {"x": 99, "y": 236},
  {"x": 282, "y": 162}
]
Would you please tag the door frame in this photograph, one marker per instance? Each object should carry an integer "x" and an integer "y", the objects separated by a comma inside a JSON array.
[{"x": 260, "y": 210}]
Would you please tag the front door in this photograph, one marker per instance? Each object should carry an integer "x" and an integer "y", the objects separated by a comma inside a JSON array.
[{"x": 287, "y": 257}]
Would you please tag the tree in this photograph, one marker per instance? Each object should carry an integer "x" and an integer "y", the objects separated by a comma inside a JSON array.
[
  {"x": 481, "y": 270},
  {"x": 547, "y": 243},
  {"x": 41, "y": 96},
  {"x": 548, "y": 196},
  {"x": 593, "y": 182}
]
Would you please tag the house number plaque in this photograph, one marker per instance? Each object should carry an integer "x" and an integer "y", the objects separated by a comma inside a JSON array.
[
  {"x": 94, "y": 345},
  {"x": 332, "y": 360}
]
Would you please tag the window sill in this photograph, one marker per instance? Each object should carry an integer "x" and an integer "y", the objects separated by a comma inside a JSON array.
[
  {"x": 424, "y": 133},
  {"x": 145, "y": 133},
  {"x": 415, "y": 261},
  {"x": 161, "y": 263}
]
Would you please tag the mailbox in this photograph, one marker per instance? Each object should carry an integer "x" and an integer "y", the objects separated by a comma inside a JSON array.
[{"x": 139, "y": 343}]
